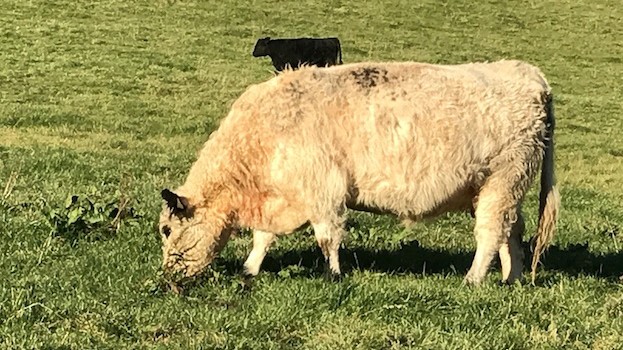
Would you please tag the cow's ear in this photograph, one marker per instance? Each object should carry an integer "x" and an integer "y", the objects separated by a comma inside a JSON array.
[{"x": 174, "y": 202}]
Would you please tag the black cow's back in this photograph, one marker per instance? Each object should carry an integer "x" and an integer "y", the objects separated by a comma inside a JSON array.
[{"x": 309, "y": 51}]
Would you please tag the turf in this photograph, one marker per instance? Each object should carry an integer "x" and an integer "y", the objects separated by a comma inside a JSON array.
[{"x": 111, "y": 100}]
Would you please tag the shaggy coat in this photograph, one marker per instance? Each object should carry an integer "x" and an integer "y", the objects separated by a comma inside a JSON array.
[{"x": 410, "y": 139}]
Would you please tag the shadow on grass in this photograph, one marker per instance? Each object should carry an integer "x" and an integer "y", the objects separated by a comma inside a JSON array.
[
  {"x": 576, "y": 259},
  {"x": 412, "y": 258}
]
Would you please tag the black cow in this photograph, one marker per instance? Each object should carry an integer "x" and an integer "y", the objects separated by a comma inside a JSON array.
[{"x": 296, "y": 52}]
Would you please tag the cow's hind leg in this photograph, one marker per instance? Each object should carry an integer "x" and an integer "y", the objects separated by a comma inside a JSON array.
[
  {"x": 511, "y": 253},
  {"x": 261, "y": 243},
  {"x": 495, "y": 216},
  {"x": 498, "y": 213},
  {"x": 329, "y": 235}
]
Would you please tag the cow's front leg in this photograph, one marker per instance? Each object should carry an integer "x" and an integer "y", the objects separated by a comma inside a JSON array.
[
  {"x": 261, "y": 243},
  {"x": 329, "y": 236}
]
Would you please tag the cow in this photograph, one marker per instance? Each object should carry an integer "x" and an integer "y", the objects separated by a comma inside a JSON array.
[
  {"x": 294, "y": 53},
  {"x": 409, "y": 139}
]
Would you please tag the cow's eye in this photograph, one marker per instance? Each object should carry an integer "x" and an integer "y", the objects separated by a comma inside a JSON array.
[{"x": 166, "y": 231}]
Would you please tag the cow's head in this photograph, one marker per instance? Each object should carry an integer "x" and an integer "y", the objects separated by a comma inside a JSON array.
[
  {"x": 192, "y": 235},
  {"x": 261, "y": 47}
]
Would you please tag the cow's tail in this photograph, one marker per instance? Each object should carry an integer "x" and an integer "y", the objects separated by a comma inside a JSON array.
[
  {"x": 549, "y": 198},
  {"x": 339, "y": 52}
]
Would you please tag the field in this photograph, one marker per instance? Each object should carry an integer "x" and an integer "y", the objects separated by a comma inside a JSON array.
[{"x": 103, "y": 104}]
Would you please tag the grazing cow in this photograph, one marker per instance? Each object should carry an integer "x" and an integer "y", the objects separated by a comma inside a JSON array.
[
  {"x": 296, "y": 52},
  {"x": 410, "y": 139}
]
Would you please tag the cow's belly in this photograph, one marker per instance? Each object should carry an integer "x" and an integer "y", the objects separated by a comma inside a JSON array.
[
  {"x": 412, "y": 205},
  {"x": 418, "y": 194}
]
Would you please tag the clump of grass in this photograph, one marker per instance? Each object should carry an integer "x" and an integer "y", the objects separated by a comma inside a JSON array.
[
  {"x": 90, "y": 216},
  {"x": 214, "y": 276}
]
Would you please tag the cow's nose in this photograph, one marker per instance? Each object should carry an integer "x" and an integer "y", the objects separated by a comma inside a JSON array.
[
  {"x": 174, "y": 271},
  {"x": 171, "y": 262}
]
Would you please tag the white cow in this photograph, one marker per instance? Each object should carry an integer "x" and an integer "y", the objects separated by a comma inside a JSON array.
[{"x": 411, "y": 139}]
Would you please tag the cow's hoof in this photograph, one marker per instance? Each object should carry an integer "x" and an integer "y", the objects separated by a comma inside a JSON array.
[
  {"x": 246, "y": 281},
  {"x": 512, "y": 281},
  {"x": 247, "y": 277},
  {"x": 472, "y": 281},
  {"x": 333, "y": 277}
]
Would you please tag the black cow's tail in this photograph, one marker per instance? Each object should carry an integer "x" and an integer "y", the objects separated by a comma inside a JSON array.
[{"x": 339, "y": 52}]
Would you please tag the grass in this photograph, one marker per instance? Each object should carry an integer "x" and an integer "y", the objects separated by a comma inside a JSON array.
[{"x": 105, "y": 98}]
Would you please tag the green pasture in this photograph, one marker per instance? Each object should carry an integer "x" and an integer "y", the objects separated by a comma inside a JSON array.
[{"x": 104, "y": 103}]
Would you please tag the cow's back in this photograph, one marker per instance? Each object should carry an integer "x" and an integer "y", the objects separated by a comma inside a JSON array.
[{"x": 408, "y": 137}]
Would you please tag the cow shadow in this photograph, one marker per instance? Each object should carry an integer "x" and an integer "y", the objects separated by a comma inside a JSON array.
[
  {"x": 412, "y": 258},
  {"x": 576, "y": 259}
]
